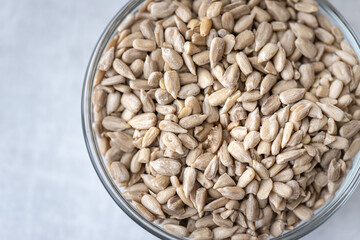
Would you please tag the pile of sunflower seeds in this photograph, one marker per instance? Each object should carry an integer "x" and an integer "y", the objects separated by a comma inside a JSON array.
[{"x": 228, "y": 119}]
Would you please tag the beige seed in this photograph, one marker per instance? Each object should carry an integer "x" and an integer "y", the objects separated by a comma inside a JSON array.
[
  {"x": 287, "y": 41},
  {"x": 106, "y": 60},
  {"x": 162, "y": 9},
  {"x": 324, "y": 36},
  {"x": 143, "y": 121},
  {"x": 219, "y": 97},
  {"x": 216, "y": 50},
  {"x": 270, "y": 105},
  {"x": 332, "y": 111},
  {"x": 307, "y": 7},
  {"x": 202, "y": 161},
  {"x": 99, "y": 98},
  {"x": 176, "y": 230},
  {"x": 169, "y": 126},
  {"x": 123, "y": 69},
  {"x": 244, "y": 64},
  {"x": 263, "y": 35},
  {"x": 229, "y": 43},
  {"x": 301, "y": 111},
  {"x": 114, "y": 123},
  {"x": 231, "y": 76},
  {"x": 201, "y": 233},
  {"x": 250, "y": 96},
  {"x": 278, "y": 26},
  {"x": 252, "y": 208},
  {"x": 339, "y": 143},
  {"x": 267, "y": 83},
  {"x": 152, "y": 205},
  {"x": 188, "y": 141},
  {"x": 260, "y": 169},
  {"x": 302, "y": 31},
  {"x": 131, "y": 55},
  {"x": 282, "y": 189},
  {"x": 292, "y": 95},
  {"x": 205, "y": 26},
  {"x": 341, "y": 71},
  {"x": 304, "y": 213},
  {"x": 246, "y": 178},
  {"x": 190, "y": 48},
  {"x": 211, "y": 170},
  {"x": 237, "y": 10},
  {"x": 172, "y": 83},
  {"x": 265, "y": 188},
  {"x": 193, "y": 103},
  {"x": 144, "y": 45},
  {"x": 277, "y": 11},
  {"x": 218, "y": 203},
  {"x": 224, "y": 155},
  {"x": 251, "y": 140},
  {"x": 353, "y": 149},
  {"x": 261, "y": 15},
  {"x": 307, "y": 75},
  {"x": 202, "y": 58},
  {"x": 172, "y": 142},
  {"x": 127, "y": 22},
  {"x": 205, "y": 79},
  {"x": 306, "y": 47},
  {"x": 166, "y": 166},
  {"x": 144, "y": 212},
  {"x": 122, "y": 140},
  {"x": 113, "y": 80},
  {"x": 280, "y": 59},
  {"x": 234, "y": 193},
  {"x": 119, "y": 172},
  {"x": 252, "y": 81},
  {"x": 129, "y": 39},
  {"x": 172, "y": 58},
  {"x": 148, "y": 104},
  {"x": 150, "y": 136},
  {"x": 288, "y": 72},
  {"x": 288, "y": 129},
  {"x": 244, "y": 39},
  {"x": 276, "y": 145},
  {"x": 189, "y": 180},
  {"x": 289, "y": 156},
  {"x": 214, "y": 10},
  {"x": 269, "y": 129},
  {"x": 224, "y": 232},
  {"x": 224, "y": 181},
  {"x": 349, "y": 129},
  {"x": 277, "y": 228},
  {"x": 237, "y": 150},
  {"x": 192, "y": 121},
  {"x": 227, "y": 21},
  {"x": 243, "y": 23}
]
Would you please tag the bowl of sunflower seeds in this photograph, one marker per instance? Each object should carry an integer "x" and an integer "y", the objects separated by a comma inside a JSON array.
[{"x": 219, "y": 119}]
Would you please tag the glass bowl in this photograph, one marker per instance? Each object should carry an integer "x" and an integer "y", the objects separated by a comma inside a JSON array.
[{"x": 347, "y": 188}]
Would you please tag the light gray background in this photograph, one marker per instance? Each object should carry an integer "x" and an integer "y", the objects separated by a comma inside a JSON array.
[{"x": 48, "y": 188}]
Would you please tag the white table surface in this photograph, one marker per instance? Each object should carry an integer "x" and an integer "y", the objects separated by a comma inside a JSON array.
[{"x": 48, "y": 188}]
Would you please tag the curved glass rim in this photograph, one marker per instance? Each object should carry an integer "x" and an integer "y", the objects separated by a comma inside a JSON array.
[{"x": 348, "y": 185}]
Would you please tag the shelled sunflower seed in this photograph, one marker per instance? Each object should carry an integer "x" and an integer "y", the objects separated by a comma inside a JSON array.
[{"x": 228, "y": 119}]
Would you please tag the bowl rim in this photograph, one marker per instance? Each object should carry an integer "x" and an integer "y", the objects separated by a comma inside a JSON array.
[{"x": 348, "y": 186}]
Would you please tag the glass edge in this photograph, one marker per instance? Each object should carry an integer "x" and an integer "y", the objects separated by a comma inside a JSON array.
[{"x": 347, "y": 188}]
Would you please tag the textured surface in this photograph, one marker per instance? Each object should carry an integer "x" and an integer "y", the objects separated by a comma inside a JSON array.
[{"x": 48, "y": 188}]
